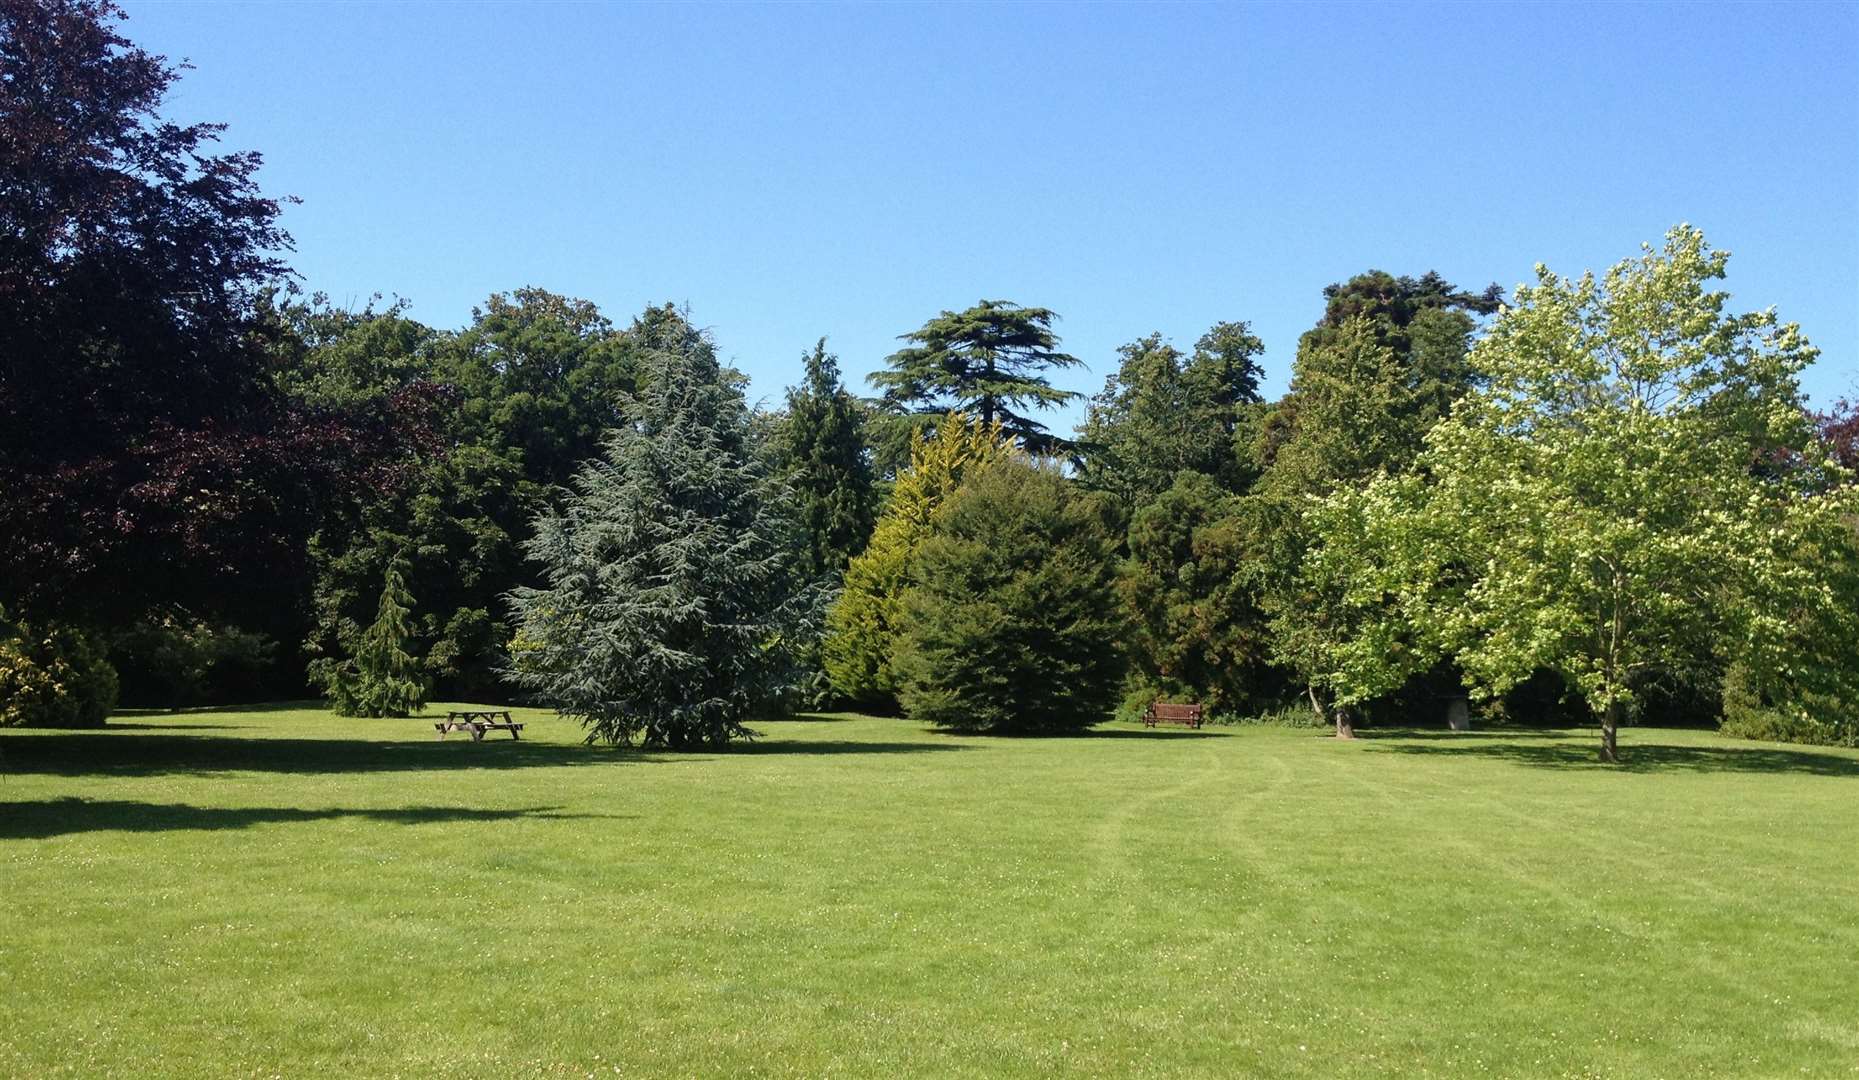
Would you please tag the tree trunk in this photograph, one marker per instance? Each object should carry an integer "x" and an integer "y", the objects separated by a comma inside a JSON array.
[
  {"x": 1315, "y": 705},
  {"x": 987, "y": 400},
  {"x": 1345, "y": 724},
  {"x": 1610, "y": 725}
]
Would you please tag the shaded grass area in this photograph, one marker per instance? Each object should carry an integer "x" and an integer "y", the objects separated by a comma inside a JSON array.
[
  {"x": 282, "y": 891},
  {"x": 58, "y": 817},
  {"x": 1550, "y": 749}
]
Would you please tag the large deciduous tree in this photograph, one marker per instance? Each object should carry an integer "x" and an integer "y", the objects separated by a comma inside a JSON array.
[
  {"x": 1635, "y": 487},
  {"x": 1354, "y": 416},
  {"x": 987, "y": 362},
  {"x": 549, "y": 374},
  {"x": 672, "y": 597},
  {"x": 1384, "y": 364},
  {"x": 147, "y": 457}
]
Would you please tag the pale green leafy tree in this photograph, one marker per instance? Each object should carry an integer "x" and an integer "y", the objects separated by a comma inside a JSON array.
[{"x": 1636, "y": 486}]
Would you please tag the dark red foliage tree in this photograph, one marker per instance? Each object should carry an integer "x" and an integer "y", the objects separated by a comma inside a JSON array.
[
  {"x": 1840, "y": 427},
  {"x": 145, "y": 456}
]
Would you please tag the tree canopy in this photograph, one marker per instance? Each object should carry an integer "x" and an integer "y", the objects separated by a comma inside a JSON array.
[
  {"x": 986, "y": 362},
  {"x": 148, "y": 458},
  {"x": 1606, "y": 506},
  {"x": 1162, "y": 413},
  {"x": 823, "y": 457}
]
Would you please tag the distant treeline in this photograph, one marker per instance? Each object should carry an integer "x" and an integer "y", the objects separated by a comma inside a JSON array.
[{"x": 1598, "y": 499}]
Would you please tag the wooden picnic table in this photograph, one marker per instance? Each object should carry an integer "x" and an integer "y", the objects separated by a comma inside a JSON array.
[{"x": 478, "y": 721}]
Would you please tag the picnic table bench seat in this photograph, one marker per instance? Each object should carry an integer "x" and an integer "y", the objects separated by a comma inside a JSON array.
[
  {"x": 1165, "y": 712},
  {"x": 478, "y": 721}
]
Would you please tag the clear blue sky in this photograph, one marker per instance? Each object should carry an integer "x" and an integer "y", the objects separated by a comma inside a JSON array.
[{"x": 791, "y": 171}]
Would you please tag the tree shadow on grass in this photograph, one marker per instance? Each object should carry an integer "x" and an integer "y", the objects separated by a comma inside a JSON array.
[
  {"x": 124, "y": 754},
  {"x": 1636, "y": 757},
  {"x": 87, "y": 754},
  {"x": 808, "y": 747},
  {"x": 1142, "y": 733},
  {"x": 1447, "y": 735},
  {"x": 137, "y": 725},
  {"x": 820, "y": 718},
  {"x": 1008, "y": 737},
  {"x": 40, "y": 819},
  {"x": 302, "y": 705}
]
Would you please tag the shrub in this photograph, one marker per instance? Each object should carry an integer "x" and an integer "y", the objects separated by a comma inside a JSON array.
[
  {"x": 1749, "y": 713},
  {"x": 1011, "y": 624},
  {"x": 53, "y": 676},
  {"x": 173, "y": 661}
]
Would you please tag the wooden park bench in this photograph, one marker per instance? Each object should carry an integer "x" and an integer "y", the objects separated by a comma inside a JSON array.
[
  {"x": 478, "y": 722},
  {"x": 1163, "y": 712}
]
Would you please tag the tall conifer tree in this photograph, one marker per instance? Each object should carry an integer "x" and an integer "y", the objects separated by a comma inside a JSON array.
[
  {"x": 823, "y": 457},
  {"x": 863, "y": 624},
  {"x": 985, "y": 362},
  {"x": 672, "y": 597},
  {"x": 383, "y": 679}
]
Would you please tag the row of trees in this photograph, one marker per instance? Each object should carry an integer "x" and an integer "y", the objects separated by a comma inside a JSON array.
[
  {"x": 1613, "y": 492},
  {"x": 1603, "y": 497}
]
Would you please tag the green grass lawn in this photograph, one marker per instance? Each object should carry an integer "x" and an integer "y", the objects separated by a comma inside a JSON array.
[{"x": 279, "y": 891}]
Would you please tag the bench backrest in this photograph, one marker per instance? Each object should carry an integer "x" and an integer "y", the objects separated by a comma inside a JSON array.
[{"x": 1164, "y": 710}]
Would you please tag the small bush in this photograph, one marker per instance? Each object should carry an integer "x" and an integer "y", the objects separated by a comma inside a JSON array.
[
  {"x": 53, "y": 676},
  {"x": 1293, "y": 714},
  {"x": 1779, "y": 725}
]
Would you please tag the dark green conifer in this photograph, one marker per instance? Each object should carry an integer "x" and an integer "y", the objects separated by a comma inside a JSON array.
[
  {"x": 824, "y": 460},
  {"x": 383, "y": 678},
  {"x": 984, "y": 362},
  {"x": 1011, "y": 623}
]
